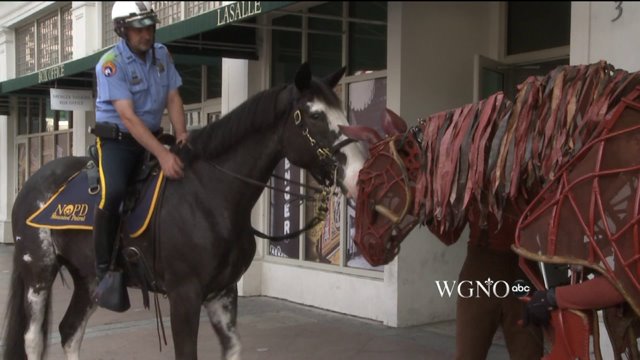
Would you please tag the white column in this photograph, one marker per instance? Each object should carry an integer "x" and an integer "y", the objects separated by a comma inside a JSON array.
[
  {"x": 4, "y": 186},
  {"x": 235, "y": 91},
  {"x": 7, "y": 58},
  {"x": 81, "y": 121},
  {"x": 235, "y": 81},
  {"x": 87, "y": 26},
  {"x": 7, "y": 54},
  {"x": 7, "y": 171},
  {"x": 580, "y": 33}
]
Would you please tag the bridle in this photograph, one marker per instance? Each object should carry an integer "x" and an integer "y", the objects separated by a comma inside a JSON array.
[
  {"x": 327, "y": 160},
  {"x": 325, "y": 154}
]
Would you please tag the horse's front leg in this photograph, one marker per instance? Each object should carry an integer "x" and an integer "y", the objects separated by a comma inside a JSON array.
[
  {"x": 223, "y": 311},
  {"x": 185, "y": 303}
]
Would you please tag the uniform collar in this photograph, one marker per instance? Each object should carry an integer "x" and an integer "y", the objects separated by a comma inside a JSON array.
[{"x": 128, "y": 55}]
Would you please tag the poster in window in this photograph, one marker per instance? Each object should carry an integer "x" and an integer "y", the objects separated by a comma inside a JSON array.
[
  {"x": 322, "y": 243},
  {"x": 367, "y": 104},
  {"x": 285, "y": 211}
]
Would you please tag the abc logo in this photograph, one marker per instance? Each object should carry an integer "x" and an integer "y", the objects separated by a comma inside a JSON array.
[{"x": 520, "y": 288}]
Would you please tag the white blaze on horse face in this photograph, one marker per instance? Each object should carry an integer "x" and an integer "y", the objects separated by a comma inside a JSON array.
[
  {"x": 353, "y": 152},
  {"x": 33, "y": 339},
  {"x": 27, "y": 258}
]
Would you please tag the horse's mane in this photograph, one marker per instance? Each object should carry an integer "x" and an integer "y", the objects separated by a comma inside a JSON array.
[
  {"x": 496, "y": 151},
  {"x": 256, "y": 114}
]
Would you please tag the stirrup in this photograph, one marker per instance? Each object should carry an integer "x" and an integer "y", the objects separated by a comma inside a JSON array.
[{"x": 111, "y": 293}]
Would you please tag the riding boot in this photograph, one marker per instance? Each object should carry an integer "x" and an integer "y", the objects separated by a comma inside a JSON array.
[{"x": 105, "y": 228}]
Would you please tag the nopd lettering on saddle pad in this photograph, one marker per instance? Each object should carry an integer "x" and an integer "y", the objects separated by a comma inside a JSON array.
[
  {"x": 69, "y": 208},
  {"x": 72, "y": 207}
]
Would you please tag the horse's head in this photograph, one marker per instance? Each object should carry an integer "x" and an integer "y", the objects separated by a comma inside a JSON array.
[
  {"x": 386, "y": 188},
  {"x": 313, "y": 138}
]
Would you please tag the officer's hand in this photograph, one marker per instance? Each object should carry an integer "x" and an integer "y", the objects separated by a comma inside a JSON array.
[
  {"x": 538, "y": 309},
  {"x": 171, "y": 165},
  {"x": 181, "y": 138}
]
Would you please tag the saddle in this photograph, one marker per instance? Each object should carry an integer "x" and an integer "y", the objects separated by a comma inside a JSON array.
[{"x": 137, "y": 209}]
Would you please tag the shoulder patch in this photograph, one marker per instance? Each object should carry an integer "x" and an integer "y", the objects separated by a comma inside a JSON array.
[
  {"x": 109, "y": 68},
  {"x": 111, "y": 55}
]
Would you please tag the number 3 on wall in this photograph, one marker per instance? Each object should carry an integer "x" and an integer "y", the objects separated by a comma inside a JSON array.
[{"x": 619, "y": 8}]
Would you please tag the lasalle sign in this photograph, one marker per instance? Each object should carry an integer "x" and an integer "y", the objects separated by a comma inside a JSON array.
[{"x": 237, "y": 11}]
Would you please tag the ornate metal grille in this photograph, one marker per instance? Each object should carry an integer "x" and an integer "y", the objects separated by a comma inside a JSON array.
[
  {"x": 26, "y": 49},
  {"x": 198, "y": 7},
  {"x": 48, "y": 41},
  {"x": 109, "y": 37},
  {"x": 168, "y": 12},
  {"x": 67, "y": 33}
]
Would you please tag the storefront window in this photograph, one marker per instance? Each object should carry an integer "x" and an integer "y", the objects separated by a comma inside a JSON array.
[
  {"x": 191, "y": 89},
  {"x": 62, "y": 145},
  {"x": 34, "y": 155},
  {"x": 287, "y": 51},
  {"x": 109, "y": 36},
  {"x": 285, "y": 211},
  {"x": 43, "y": 135},
  {"x": 367, "y": 37},
  {"x": 330, "y": 242},
  {"x": 325, "y": 39},
  {"x": 367, "y": 104},
  {"x": 26, "y": 49},
  {"x": 322, "y": 243},
  {"x": 214, "y": 79},
  {"x": 22, "y": 164},
  {"x": 48, "y": 41},
  {"x": 537, "y": 25},
  {"x": 44, "y": 42}
]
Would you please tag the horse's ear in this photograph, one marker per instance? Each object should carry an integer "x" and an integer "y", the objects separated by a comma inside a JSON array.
[
  {"x": 303, "y": 77},
  {"x": 333, "y": 79}
]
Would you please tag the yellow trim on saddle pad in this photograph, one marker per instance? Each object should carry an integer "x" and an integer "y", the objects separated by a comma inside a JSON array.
[
  {"x": 151, "y": 207},
  {"x": 51, "y": 199}
]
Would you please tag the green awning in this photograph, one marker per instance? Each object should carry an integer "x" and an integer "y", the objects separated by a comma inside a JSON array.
[{"x": 193, "y": 27}]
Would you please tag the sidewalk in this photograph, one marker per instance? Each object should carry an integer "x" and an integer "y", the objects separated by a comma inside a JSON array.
[{"x": 269, "y": 329}]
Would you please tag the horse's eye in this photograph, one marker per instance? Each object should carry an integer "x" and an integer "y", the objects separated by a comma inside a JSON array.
[{"x": 316, "y": 116}]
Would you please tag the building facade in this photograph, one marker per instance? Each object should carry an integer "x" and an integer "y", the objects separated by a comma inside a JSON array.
[{"x": 416, "y": 58}]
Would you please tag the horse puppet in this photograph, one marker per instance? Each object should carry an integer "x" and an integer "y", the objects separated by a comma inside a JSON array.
[
  {"x": 495, "y": 152},
  {"x": 201, "y": 233}
]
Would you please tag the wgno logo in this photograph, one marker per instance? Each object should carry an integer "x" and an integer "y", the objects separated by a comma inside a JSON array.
[{"x": 488, "y": 288}]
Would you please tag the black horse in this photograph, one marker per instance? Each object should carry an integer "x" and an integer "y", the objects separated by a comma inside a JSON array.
[{"x": 203, "y": 237}]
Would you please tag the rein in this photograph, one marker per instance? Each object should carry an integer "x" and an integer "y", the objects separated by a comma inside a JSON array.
[{"x": 321, "y": 210}]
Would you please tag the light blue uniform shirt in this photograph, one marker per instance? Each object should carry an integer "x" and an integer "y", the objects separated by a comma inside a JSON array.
[{"x": 123, "y": 75}]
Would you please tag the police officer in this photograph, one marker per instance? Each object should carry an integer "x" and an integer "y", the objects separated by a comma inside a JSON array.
[{"x": 136, "y": 82}]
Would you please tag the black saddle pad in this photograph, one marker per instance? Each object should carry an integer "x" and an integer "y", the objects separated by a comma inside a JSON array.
[{"x": 72, "y": 206}]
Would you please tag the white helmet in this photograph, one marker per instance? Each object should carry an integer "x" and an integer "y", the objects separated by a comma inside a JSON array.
[{"x": 137, "y": 14}]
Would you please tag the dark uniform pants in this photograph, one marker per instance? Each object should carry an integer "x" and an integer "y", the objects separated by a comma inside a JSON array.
[
  {"x": 119, "y": 159},
  {"x": 118, "y": 162}
]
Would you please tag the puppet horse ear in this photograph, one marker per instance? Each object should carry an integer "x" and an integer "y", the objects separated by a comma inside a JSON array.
[
  {"x": 361, "y": 133},
  {"x": 393, "y": 124}
]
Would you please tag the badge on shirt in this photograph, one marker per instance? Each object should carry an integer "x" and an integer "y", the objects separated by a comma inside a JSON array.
[
  {"x": 160, "y": 67},
  {"x": 108, "y": 68}
]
